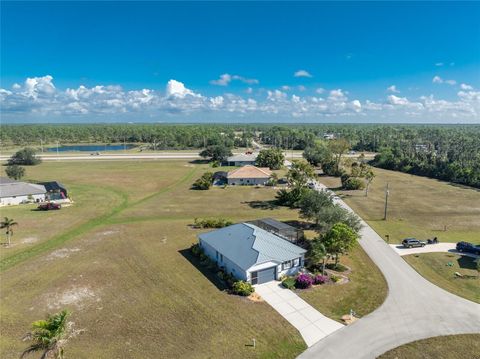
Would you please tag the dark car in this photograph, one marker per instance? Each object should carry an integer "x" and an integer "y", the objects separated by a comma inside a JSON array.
[
  {"x": 412, "y": 242},
  {"x": 468, "y": 248},
  {"x": 49, "y": 206}
]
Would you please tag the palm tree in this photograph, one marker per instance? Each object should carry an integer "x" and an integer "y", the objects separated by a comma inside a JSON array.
[
  {"x": 48, "y": 336},
  {"x": 8, "y": 223},
  {"x": 318, "y": 253}
]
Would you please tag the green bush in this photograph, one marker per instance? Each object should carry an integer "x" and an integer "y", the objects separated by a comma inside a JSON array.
[
  {"x": 242, "y": 288},
  {"x": 196, "y": 249},
  {"x": 335, "y": 278},
  {"x": 289, "y": 283},
  {"x": 212, "y": 222},
  {"x": 353, "y": 183},
  {"x": 204, "y": 182}
]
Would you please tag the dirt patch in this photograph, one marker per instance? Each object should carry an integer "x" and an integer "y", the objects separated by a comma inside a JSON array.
[
  {"x": 254, "y": 297},
  {"x": 29, "y": 240},
  {"x": 76, "y": 296},
  {"x": 62, "y": 253}
]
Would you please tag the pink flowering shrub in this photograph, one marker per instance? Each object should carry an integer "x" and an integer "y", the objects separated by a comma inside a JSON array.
[
  {"x": 320, "y": 279},
  {"x": 303, "y": 281}
]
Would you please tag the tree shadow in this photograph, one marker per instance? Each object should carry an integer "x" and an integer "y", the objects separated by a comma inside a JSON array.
[
  {"x": 266, "y": 205},
  {"x": 207, "y": 272},
  {"x": 199, "y": 162},
  {"x": 300, "y": 224},
  {"x": 462, "y": 186},
  {"x": 466, "y": 262}
]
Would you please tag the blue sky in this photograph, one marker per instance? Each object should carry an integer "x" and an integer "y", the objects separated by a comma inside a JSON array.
[{"x": 293, "y": 62}]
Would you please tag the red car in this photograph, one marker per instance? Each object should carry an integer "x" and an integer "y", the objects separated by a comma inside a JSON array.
[{"x": 48, "y": 206}]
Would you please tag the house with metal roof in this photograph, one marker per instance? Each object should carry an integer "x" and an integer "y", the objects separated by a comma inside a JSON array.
[
  {"x": 14, "y": 192},
  {"x": 281, "y": 229},
  {"x": 242, "y": 159},
  {"x": 249, "y": 175},
  {"x": 251, "y": 253}
]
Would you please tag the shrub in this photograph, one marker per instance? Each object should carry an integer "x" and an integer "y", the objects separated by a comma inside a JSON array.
[
  {"x": 353, "y": 183},
  {"x": 320, "y": 279},
  {"x": 303, "y": 281},
  {"x": 26, "y": 157},
  {"x": 242, "y": 288},
  {"x": 196, "y": 249},
  {"x": 212, "y": 223},
  {"x": 15, "y": 171},
  {"x": 204, "y": 182},
  {"x": 335, "y": 278},
  {"x": 289, "y": 282}
]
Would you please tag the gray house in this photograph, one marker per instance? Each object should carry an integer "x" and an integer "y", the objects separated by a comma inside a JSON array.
[
  {"x": 14, "y": 192},
  {"x": 242, "y": 159},
  {"x": 251, "y": 253}
]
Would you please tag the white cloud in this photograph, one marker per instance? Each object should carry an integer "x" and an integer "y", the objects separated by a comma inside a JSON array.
[
  {"x": 439, "y": 80},
  {"x": 302, "y": 73},
  {"x": 393, "y": 89},
  {"x": 225, "y": 80},
  {"x": 249, "y": 90},
  {"x": 285, "y": 88},
  {"x": 38, "y": 97},
  {"x": 177, "y": 89},
  {"x": 320, "y": 90},
  {"x": 301, "y": 88},
  {"x": 466, "y": 87},
  {"x": 439, "y": 64}
]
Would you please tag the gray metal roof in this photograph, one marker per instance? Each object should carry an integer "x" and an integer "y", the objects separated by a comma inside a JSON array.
[
  {"x": 242, "y": 157},
  {"x": 5, "y": 180},
  {"x": 246, "y": 245},
  {"x": 20, "y": 189}
]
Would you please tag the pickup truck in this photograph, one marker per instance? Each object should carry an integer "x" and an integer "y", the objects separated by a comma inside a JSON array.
[
  {"x": 413, "y": 242},
  {"x": 468, "y": 248}
]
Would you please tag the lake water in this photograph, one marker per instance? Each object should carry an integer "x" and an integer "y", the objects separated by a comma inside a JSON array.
[{"x": 90, "y": 148}]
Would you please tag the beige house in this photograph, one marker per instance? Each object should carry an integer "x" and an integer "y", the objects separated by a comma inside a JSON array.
[{"x": 249, "y": 175}]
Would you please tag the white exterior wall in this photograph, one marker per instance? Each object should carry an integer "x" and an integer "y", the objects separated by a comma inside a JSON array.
[
  {"x": 244, "y": 163},
  {"x": 10, "y": 201},
  {"x": 247, "y": 181},
  {"x": 290, "y": 271},
  {"x": 229, "y": 266}
]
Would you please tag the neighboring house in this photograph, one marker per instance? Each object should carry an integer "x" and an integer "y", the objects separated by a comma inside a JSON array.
[
  {"x": 281, "y": 229},
  {"x": 14, "y": 192},
  {"x": 242, "y": 159},
  {"x": 55, "y": 190},
  {"x": 249, "y": 175},
  {"x": 252, "y": 254}
]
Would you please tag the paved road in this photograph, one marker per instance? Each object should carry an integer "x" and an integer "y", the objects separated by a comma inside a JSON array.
[
  {"x": 414, "y": 309},
  {"x": 312, "y": 325}
]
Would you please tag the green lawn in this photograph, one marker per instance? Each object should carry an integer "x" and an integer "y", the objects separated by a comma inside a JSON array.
[
  {"x": 433, "y": 266},
  {"x": 448, "y": 347},
  {"x": 418, "y": 207},
  {"x": 117, "y": 259}
]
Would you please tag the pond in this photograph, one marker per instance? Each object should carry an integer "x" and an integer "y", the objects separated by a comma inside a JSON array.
[{"x": 90, "y": 148}]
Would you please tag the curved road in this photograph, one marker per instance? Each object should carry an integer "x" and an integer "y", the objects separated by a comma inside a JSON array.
[{"x": 414, "y": 309}]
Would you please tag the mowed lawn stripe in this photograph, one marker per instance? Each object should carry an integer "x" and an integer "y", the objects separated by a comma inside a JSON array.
[{"x": 19, "y": 257}]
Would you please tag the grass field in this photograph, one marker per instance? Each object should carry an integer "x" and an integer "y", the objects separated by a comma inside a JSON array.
[
  {"x": 447, "y": 347},
  {"x": 117, "y": 259},
  {"x": 417, "y": 207},
  {"x": 434, "y": 267}
]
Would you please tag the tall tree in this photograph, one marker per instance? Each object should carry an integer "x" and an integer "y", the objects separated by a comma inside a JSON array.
[
  {"x": 49, "y": 336},
  {"x": 318, "y": 154},
  {"x": 8, "y": 225},
  {"x": 369, "y": 176},
  {"x": 339, "y": 240},
  {"x": 338, "y": 147},
  {"x": 313, "y": 203},
  {"x": 318, "y": 253},
  {"x": 216, "y": 152},
  {"x": 15, "y": 171},
  {"x": 26, "y": 157},
  {"x": 272, "y": 158}
]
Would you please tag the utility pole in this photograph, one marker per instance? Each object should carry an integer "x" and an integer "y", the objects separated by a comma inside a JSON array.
[
  {"x": 57, "y": 147},
  {"x": 387, "y": 192},
  {"x": 41, "y": 144}
]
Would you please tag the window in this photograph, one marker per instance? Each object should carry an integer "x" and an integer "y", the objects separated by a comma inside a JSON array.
[
  {"x": 216, "y": 255},
  {"x": 287, "y": 264},
  {"x": 221, "y": 258},
  {"x": 296, "y": 262}
]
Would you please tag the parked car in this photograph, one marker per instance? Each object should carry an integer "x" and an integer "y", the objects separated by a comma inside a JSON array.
[
  {"x": 413, "y": 242},
  {"x": 468, "y": 248},
  {"x": 49, "y": 206}
]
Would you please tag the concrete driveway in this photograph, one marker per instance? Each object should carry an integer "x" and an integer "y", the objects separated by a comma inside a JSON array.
[
  {"x": 312, "y": 325},
  {"x": 430, "y": 248},
  {"x": 414, "y": 309}
]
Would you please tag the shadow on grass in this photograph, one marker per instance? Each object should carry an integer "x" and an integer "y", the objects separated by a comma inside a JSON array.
[
  {"x": 465, "y": 262},
  {"x": 300, "y": 224},
  {"x": 262, "y": 204},
  {"x": 207, "y": 272},
  {"x": 199, "y": 162},
  {"x": 458, "y": 185}
]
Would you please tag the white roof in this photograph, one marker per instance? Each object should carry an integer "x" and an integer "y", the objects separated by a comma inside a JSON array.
[
  {"x": 10, "y": 189},
  {"x": 243, "y": 157}
]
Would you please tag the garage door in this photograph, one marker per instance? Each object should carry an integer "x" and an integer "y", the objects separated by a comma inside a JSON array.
[{"x": 263, "y": 276}]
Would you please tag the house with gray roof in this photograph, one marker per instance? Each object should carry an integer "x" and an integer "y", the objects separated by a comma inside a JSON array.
[
  {"x": 242, "y": 159},
  {"x": 251, "y": 253},
  {"x": 14, "y": 192}
]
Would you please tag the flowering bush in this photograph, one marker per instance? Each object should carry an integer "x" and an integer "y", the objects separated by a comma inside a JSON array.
[
  {"x": 289, "y": 282},
  {"x": 303, "y": 281},
  {"x": 242, "y": 288},
  {"x": 320, "y": 279}
]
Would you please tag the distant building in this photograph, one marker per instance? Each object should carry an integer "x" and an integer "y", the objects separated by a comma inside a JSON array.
[
  {"x": 242, "y": 159},
  {"x": 249, "y": 175},
  {"x": 281, "y": 229},
  {"x": 14, "y": 192},
  {"x": 329, "y": 136}
]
